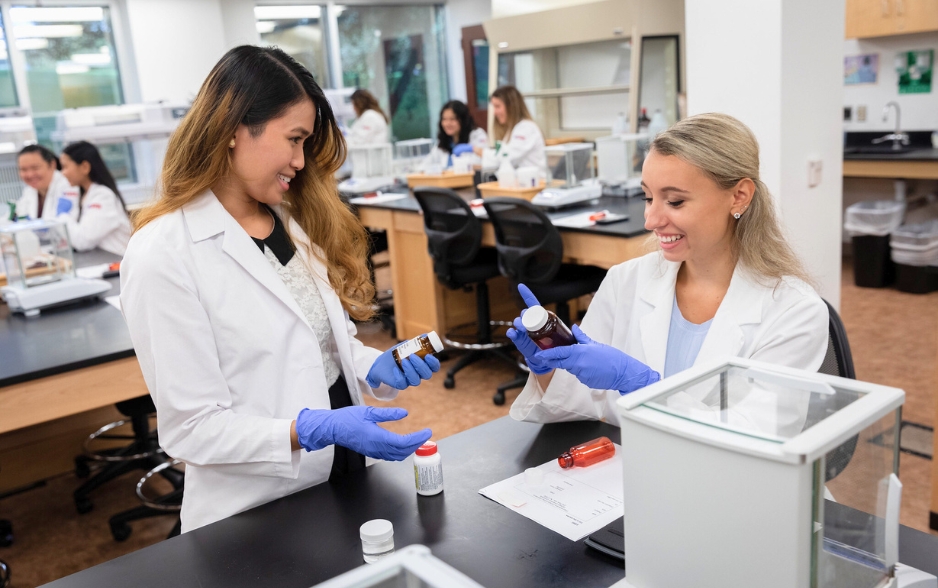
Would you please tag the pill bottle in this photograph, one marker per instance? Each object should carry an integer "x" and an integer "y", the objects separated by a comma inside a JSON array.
[
  {"x": 377, "y": 539},
  {"x": 428, "y": 470},
  {"x": 545, "y": 329},
  {"x": 588, "y": 453},
  {"x": 421, "y": 346}
]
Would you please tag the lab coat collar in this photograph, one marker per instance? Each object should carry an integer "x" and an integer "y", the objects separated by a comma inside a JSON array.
[
  {"x": 742, "y": 305},
  {"x": 206, "y": 217}
]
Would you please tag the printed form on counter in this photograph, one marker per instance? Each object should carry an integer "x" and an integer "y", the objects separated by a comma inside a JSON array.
[{"x": 574, "y": 502}]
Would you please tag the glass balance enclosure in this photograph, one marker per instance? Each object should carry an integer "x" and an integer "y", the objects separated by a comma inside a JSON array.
[{"x": 36, "y": 252}]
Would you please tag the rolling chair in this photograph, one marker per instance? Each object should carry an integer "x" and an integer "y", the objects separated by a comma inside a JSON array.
[
  {"x": 530, "y": 251},
  {"x": 454, "y": 241},
  {"x": 166, "y": 504},
  {"x": 143, "y": 452},
  {"x": 384, "y": 299},
  {"x": 837, "y": 362}
]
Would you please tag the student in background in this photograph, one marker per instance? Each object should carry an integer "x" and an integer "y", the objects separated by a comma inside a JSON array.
[
  {"x": 45, "y": 185},
  {"x": 457, "y": 134},
  {"x": 371, "y": 124},
  {"x": 102, "y": 221},
  {"x": 521, "y": 139}
]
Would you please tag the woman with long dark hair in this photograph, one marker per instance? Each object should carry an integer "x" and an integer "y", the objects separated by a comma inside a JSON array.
[
  {"x": 457, "y": 134},
  {"x": 237, "y": 287},
  {"x": 45, "y": 185},
  {"x": 102, "y": 216},
  {"x": 371, "y": 124}
]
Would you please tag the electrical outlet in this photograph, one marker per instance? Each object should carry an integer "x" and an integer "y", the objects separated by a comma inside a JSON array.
[
  {"x": 848, "y": 114},
  {"x": 814, "y": 172},
  {"x": 861, "y": 113}
]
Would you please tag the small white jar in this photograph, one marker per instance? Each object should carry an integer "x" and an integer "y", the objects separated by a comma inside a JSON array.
[
  {"x": 428, "y": 470},
  {"x": 377, "y": 539}
]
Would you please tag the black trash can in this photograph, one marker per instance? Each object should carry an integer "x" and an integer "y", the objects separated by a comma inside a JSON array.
[
  {"x": 916, "y": 279},
  {"x": 872, "y": 263}
]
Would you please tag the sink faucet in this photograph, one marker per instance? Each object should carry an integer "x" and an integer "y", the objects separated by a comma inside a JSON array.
[{"x": 898, "y": 138}]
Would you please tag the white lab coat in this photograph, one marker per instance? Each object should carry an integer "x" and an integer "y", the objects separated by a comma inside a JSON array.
[
  {"x": 230, "y": 359},
  {"x": 524, "y": 146},
  {"x": 368, "y": 129},
  {"x": 786, "y": 325},
  {"x": 477, "y": 138},
  {"x": 103, "y": 223},
  {"x": 28, "y": 204}
]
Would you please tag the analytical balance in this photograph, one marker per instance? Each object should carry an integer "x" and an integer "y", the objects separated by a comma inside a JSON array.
[
  {"x": 619, "y": 160},
  {"x": 372, "y": 169},
  {"x": 570, "y": 176},
  {"x": 741, "y": 473},
  {"x": 40, "y": 271}
]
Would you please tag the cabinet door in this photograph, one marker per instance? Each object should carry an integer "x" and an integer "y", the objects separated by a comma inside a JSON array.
[
  {"x": 916, "y": 16},
  {"x": 871, "y": 18}
]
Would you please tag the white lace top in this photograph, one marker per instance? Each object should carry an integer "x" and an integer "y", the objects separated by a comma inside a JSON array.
[{"x": 299, "y": 282}]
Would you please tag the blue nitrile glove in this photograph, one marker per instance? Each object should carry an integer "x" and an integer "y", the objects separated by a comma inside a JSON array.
[
  {"x": 385, "y": 371},
  {"x": 461, "y": 148},
  {"x": 356, "y": 428},
  {"x": 600, "y": 366},
  {"x": 519, "y": 336},
  {"x": 64, "y": 206}
]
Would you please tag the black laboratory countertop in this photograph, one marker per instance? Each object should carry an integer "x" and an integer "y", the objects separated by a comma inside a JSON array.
[
  {"x": 311, "y": 536},
  {"x": 632, "y": 206},
  {"x": 63, "y": 339}
]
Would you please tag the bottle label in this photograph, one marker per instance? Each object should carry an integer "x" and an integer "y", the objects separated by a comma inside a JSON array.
[
  {"x": 408, "y": 348},
  {"x": 428, "y": 478}
]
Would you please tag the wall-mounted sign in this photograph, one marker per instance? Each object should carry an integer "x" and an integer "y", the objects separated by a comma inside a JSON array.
[
  {"x": 861, "y": 69},
  {"x": 914, "y": 71}
]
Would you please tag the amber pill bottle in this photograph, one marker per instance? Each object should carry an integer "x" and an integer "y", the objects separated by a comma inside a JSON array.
[
  {"x": 588, "y": 453},
  {"x": 545, "y": 329},
  {"x": 420, "y": 346}
]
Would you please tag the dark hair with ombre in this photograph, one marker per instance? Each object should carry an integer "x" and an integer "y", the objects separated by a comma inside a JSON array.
[
  {"x": 251, "y": 86},
  {"x": 466, "y": 125},
  {"x": 82, "y": 151}
]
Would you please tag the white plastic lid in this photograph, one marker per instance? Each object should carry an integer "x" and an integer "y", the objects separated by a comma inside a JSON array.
[
  {"x": 376, "y": 531},
  {"x": 435, "y": 341},
  {"x": 534, "y": 318},
  {"x": 533, "y": 476}
]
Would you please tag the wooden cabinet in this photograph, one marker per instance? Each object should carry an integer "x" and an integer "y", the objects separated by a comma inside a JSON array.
[{"x": 879, "y": 18}]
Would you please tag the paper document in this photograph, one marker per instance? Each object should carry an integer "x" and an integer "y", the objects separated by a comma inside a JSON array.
[
  {"x": 574, "y": 502},
  {"x": 114, "y": 301},
  {"x": 378, "y": 198},
  {"x": 575, "y": 221}
]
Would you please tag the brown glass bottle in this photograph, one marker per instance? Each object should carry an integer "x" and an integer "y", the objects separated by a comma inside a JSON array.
[
  {"x": 420, "y": 346},
  {"x": 545, "y": 329},
  {"x": 588, "y": 453}
]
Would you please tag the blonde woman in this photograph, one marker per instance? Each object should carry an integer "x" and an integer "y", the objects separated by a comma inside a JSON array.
[
  {"x": 237, "y": 287},
  {"x": 723, "y": 282},
  {"x": 521, "y": 140}
]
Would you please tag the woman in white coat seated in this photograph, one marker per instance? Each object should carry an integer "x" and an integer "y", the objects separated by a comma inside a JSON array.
[
  {"x": 521, "y": 141},
  {"x": 457, "y": 135},
  {"x": 102, "y": 220},
  {"x": 371, "y": 124},
  {"x": 723, "y": 282},
  {"x": 45, "y": 185},
  {"x": 237, "y": 288}
]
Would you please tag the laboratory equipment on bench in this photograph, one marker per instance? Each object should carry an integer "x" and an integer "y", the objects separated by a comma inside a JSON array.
[
  {"x": 740, "y": 473},
  {"x": 619, "y": 160},
  {"x": 410, "y": 154},
  {"x": 132, "y": 139},
  {"x": 372, "y": 169},
  {"x": 412, "y": 566},
  {"x": 40, "y": 270},
  {"x": 16, "y": 132},
  {"x": 340, "y": 99},
  {"x": 570, "y": 176}
]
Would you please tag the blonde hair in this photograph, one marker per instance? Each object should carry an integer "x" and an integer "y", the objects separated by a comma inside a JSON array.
[
  {"x": 726, "y": 151},
  {"x": 251, "y": 86},
  {"x": 515, "y": 109}
]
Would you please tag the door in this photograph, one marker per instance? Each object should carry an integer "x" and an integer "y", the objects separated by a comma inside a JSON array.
[
  {"x": 475, "y": 50},
  {"x": 407, "y": 87}
]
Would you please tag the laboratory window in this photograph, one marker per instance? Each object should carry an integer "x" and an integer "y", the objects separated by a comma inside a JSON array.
[
  {"x": 397, "y": 53},
  {"x": 7, "y": 85},
  {"x": 298, "y": 30}
]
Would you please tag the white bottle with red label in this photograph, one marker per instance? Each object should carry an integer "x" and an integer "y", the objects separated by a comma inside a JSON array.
[{"x": 428, "y": 470}]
